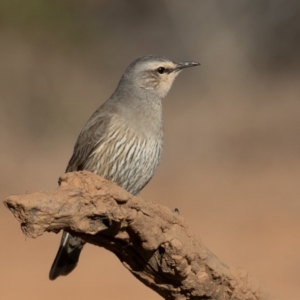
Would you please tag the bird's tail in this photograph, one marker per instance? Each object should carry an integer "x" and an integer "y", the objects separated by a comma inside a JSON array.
[{"x": 67, "y": 256}]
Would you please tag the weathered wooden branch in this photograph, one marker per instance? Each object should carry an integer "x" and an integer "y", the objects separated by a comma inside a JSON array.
[{"x": 151, "y": 241}]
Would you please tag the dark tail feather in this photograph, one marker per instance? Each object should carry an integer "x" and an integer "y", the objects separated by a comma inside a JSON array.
[{"x": 67, "y": 256}]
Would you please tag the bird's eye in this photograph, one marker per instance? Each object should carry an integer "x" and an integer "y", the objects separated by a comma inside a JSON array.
[{"x": 161, "y": 70}]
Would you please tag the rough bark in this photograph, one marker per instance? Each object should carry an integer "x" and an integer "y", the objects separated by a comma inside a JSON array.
[{"x": 151, "y": 241}]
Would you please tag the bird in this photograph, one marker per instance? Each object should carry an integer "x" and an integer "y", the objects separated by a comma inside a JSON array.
[{"x": 123, "y": 139}]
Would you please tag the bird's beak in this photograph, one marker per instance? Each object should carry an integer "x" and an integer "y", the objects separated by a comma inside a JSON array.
[{"x": 185, "y": 64}]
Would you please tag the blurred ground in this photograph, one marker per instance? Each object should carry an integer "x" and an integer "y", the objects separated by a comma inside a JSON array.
[{"x": 232, "y": 129}]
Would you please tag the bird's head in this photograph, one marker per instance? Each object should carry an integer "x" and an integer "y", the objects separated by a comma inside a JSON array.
[{"x": 154, "y": 74}]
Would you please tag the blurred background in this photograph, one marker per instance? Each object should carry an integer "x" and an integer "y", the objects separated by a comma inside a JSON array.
[{"x": 231, "y": 162}]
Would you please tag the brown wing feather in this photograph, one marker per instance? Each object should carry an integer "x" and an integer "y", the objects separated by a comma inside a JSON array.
[{"x": 90, "y": 137}]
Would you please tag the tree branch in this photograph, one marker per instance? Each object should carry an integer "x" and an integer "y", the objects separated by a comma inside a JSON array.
[{"x": 152, "y": 242}]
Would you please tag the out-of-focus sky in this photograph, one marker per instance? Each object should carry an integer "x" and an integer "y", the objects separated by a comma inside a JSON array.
[{"x": 231, "y": 162}]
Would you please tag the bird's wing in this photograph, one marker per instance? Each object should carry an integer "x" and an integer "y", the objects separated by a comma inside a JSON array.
[{"x": 90, "y": 137}]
